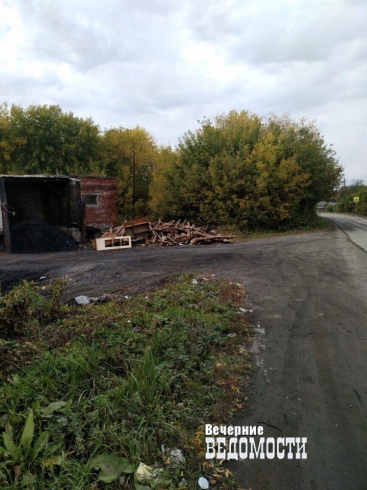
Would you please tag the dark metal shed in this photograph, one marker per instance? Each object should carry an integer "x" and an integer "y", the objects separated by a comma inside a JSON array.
[{"x": 58, "y": 200}]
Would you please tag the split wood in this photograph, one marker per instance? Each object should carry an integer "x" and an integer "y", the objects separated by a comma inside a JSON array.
[{"x": 176, "y": 232}]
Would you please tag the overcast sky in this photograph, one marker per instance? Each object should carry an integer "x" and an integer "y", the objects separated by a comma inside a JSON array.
[{"x": 164, "y": 64}]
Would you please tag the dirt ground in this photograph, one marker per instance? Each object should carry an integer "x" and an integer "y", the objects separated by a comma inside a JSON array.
[{"x": 309, "y": 296}]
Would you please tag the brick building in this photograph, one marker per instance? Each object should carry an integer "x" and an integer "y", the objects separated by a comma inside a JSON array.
[{"x": 99, "y": 197}]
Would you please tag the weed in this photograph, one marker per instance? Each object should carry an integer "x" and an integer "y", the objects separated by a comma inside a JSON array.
[
  {"x": 26, "y": 306},
  {"x": 111, "y": 383}
]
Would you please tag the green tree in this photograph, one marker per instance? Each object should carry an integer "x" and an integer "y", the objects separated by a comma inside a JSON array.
[
  {"x": 303, "y": 141},
  {"x": 166, "y": 196},
  {"x": 243, "y": 170},
  {"x": 54, "y": 142},
  {"x": 346, "y": 194},
  {"x": 117, "y": 147},
  {"x": 255, "y": 187},
  {"x": 9, "y": 142},
  {"x": 356, "y": 186},
  {"x": 187, "y": 178}
]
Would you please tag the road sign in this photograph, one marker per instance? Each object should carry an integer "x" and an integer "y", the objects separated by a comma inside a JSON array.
[{"x": 356, "y": 199}]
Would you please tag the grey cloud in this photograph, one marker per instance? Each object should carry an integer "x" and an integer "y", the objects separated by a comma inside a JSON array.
[
  {"x": 129, "y": 62},
  {"x": 260, "y": 32},
  {"x": 96, "y": 34},
  {"x": 24, "y": 87},
  {"x": 57, "y": 34}
]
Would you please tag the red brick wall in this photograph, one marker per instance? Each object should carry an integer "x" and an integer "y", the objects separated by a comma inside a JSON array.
[{"x": 103, "y": 214}]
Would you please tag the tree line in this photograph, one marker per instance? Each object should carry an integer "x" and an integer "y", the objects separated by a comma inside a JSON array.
[
  {"x": 237, "y": 169},
  {"x": 345, "y": 196}
]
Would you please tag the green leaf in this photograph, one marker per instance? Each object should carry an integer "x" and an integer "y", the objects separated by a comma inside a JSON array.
[
  {"x": 39, "y": 444},
  {"x": 51, "y": 408},
  {"x": 10, "y": 446},
  {"x": 29, "y": 479},
  {"x": 51, "y": 462},
  {"x": 67, "y": 407},
  {"x": 111, "y": 467},
  {"x": 28, "y": 431},
  {"x": 9, "y": 429},
  {"x": 142, "y": 487},
  {"x": 16, "y": 380},
  {"x": 3, "y": 476},
  {"x": 36, "y": 407}
]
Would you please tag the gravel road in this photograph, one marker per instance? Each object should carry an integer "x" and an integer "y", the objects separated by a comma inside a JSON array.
[{"x": 309, "y": 295}]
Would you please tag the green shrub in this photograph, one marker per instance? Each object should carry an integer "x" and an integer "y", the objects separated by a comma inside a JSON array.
[{"x": 26, "y": 306}]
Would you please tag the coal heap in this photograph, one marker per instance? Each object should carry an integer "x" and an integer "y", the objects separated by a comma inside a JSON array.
[{"x": 36, "y": 236}]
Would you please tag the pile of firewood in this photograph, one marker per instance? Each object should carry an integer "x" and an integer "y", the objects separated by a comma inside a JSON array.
[{"x": 178, "y": 233}]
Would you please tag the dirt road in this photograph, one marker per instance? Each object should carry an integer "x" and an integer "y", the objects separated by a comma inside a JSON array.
[{"x": 309, "y": 295}]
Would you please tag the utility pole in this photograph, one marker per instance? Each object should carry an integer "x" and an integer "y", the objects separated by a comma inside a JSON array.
[{"x": 133, "y": 177}]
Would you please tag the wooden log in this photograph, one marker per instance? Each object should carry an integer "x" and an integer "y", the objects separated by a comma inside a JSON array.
[
  {"x": 171, "y": 240},
  {"x": 202, "y": 234}
]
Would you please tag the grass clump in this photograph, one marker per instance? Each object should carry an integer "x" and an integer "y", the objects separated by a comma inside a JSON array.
[
  {"x": 101, "y": 388},
  {"x": 28, "y": 305},
  {"x": 317, "y": 223}
]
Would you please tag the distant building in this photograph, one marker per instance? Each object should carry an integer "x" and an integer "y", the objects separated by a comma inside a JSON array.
[
  {"x": 322, "y": 205},
  {"x": 58, "y": 200}
]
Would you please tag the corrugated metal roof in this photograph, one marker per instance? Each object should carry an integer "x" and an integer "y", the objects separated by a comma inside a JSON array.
[
  {"x": 53, "y": 177},
  {"x": 46, "y": 176}
]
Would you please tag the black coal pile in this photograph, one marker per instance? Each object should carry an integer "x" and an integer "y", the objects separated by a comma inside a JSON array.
[{"x": 36, "y": 236}]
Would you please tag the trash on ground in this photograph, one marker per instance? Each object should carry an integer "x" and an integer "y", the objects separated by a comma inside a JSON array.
[
  {"x": 146, "y": 473},
  {"x": 203, "y": 483},
  {"x": 82, "y": 300},
  {"x": 174, "y": 457},
  {"x": 109, "y": 241}
]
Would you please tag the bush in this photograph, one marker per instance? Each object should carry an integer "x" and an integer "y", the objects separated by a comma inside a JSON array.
[{"x": 25, "y": 307}]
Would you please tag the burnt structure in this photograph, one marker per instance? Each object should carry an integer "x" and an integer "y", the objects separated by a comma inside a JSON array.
[{"x": 63, "y": 201}]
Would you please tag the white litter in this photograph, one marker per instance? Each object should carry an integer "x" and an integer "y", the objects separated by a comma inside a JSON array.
[
  {"x": 203, "y": 483},
  {"x": 177, "y": 458},
  {"x": 82, "y": 300},
  {"x": 147, "y": 473},
  {"x": 243, "y": 310}
]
